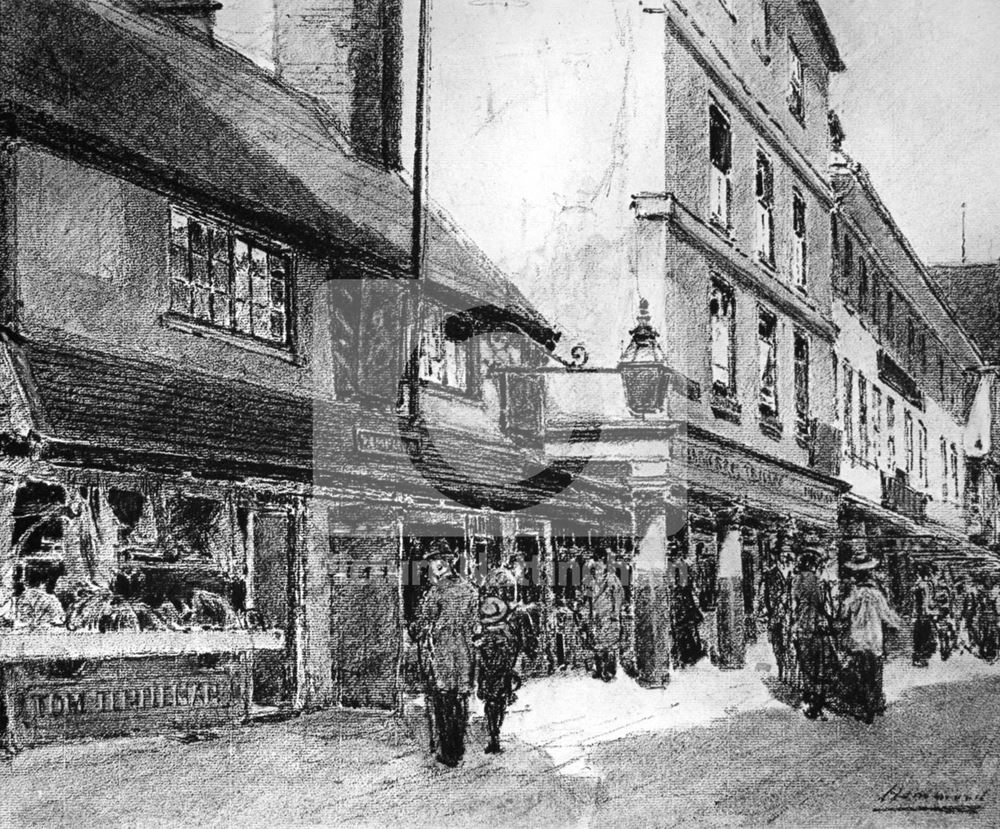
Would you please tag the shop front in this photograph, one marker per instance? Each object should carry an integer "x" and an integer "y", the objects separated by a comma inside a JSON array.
[
  {"x": 711, "y": 518},
  {"x": 135, "y": 603}
]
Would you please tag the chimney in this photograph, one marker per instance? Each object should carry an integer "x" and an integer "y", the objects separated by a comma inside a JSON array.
[
  {"x": 349, "y": 53},
  {"x": 200, "y": 13}
]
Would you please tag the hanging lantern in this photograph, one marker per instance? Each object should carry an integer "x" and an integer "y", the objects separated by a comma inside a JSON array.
[{"x": 643, "y": 367}]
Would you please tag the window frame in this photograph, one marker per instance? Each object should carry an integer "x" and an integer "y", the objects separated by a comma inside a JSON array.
[
  {"x": 800, "y": 244},
  {"x": 183, "y": 276},
  {"x": 892, "y": 459},
  {"x": 470, "y": 386},
  {"x": 796, "y": 83},
  {"x": 764, "y": 192},
  {"x": 801, "y": 358},
  {"x": 720, "y": 202},
  {"x": 719, "y": 286},
  {"x": 768, "y": 397},
  {"x": 909, "y": 454}
]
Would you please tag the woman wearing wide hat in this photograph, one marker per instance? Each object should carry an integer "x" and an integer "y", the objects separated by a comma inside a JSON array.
[
  {"x": 867, "y": 612},
  {"x": 499, "y": 644}
]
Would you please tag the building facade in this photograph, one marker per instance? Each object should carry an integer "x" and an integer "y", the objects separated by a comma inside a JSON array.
[
  {"x": 906, "y": 372},
  {"x": 212, "y": 480}
]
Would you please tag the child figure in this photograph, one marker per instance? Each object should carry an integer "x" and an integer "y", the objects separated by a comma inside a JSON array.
[{"x": 499, "y": 645}]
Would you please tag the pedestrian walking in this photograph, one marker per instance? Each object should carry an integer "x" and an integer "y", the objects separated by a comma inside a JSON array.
[
  {"x": 924, "y": 635},
  {"x": 499, "y": 643},
  {"x": 867, "y": 611},
  {"x": 447, "y": 621},
  {"x": 603, "y": 596},
  {"x": 776, "y": 602},
  {"x": 687, "y": 618},
  {"x": 989, "y": 629},
  {"x": 812, "y": 633}
]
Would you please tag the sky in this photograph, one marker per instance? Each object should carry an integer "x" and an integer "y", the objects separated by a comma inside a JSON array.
[
  {"x": 919, "y": 106},
  {"x": 918, "y": 103}
]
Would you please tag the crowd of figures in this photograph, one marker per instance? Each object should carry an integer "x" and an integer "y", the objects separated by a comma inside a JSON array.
[
  {"x": 472, "y": 639},
  {"x": 830, "y": 643}
]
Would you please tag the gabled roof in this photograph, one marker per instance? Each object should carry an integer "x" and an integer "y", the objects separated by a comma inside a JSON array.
[
  {"x": 816, "y": 19},
  {"x": 158, "y": 103}
]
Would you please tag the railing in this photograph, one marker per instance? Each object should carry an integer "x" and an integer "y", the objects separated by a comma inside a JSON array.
[{"x": 900, "y": 497}]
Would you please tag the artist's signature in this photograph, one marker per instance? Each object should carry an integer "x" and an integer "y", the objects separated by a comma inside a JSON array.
[{"x": 900, "y": 798}]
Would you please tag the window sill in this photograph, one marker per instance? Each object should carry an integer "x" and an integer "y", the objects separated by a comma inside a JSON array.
[
  {"x": 188, "y": 326},
  {"x": 771, "y": 427},
  {"x": 725, "y": 232},
  {"x": 767, "y": 264}
]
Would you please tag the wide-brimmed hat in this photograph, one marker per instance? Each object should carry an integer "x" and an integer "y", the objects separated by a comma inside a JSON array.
[
  {"x": 861, "y": 563},
  {"x": 439, "y": 549},
  {"x": 493, "y": 610}
]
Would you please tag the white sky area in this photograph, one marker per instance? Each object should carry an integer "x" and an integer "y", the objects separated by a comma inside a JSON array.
[{"x": 507, "y": 116}]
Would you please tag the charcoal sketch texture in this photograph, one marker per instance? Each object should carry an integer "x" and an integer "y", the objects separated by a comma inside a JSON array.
[{"x": 498, "y": 413}]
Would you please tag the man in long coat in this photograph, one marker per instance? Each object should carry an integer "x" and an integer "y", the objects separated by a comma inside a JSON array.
[
  {"x": 603, "y": 597},
  {"x": 812, "y": 632},
  {"x": 446, "y": 625}
]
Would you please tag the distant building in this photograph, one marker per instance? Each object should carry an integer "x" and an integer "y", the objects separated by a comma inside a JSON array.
[{"x": 905, "y": 366}]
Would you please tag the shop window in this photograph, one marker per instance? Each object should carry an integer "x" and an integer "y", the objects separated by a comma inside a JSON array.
[
  {"x": 796, "y": 83},
  {"x": 445, "y": 356},
  {"x": 801, "y": 384},
  {"x": 194, "y": 526},
  {"x": 222, "y": 278},
  {"x": 39, "y": 510},
  {"x": 722, "y": 312},
  {"x": 799, "y": 244},
  {"x": 890, "y": 431},
  {"x": 720, "y": 166},
  {"x": 767, "y": 356},
  {"x": 864, "y": 445},
  {"x": 765, "y": 209}
]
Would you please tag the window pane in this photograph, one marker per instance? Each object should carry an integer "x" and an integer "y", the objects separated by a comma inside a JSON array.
[
  {"x": 720, "y": 142},
  {"x": 178, "y": 229},
  {"x": 202, "y": 303},
  {"x": 277, "y": 326}
]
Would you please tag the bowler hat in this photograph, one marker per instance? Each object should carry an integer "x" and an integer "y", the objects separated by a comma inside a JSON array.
[
  {"x": 439, "y": 548},
  {"x": 493, "y": 610},
  {"x": 861, "y": 562}
]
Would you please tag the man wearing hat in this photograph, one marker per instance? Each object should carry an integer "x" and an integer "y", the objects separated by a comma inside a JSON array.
[
  {"x": 812, "y": 630},
  {"x": 867, "y": 611},
  {"x": 603, "y": 597},
  {"x": 499, "y": 644},
  {"x": 446, "y": 624}
]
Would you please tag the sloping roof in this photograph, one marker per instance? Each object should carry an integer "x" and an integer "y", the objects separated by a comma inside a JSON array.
[
  {"x": 155, "y": 102},
  {"x": 91, "y": 404},
  {"x": 824, "y": 36},
  {"x": 973, "y": 290}
]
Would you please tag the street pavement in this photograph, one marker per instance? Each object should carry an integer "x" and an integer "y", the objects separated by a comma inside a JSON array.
[{"x": 578, "y": 753}]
